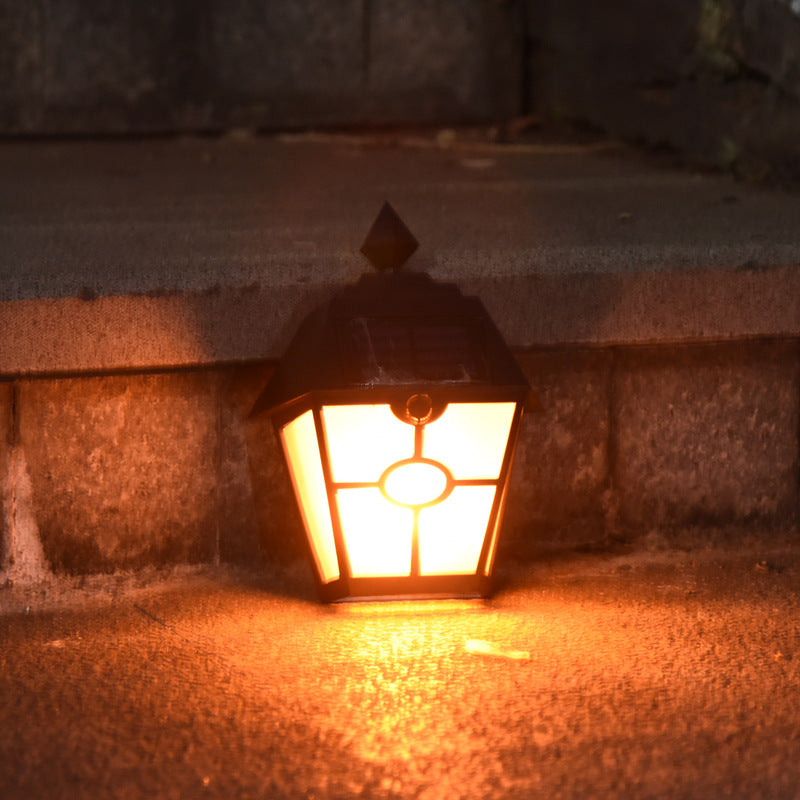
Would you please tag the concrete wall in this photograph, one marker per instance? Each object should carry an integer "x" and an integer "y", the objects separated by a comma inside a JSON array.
[
  {"x": 137, "y": 65},
  {"x": 658, "y": 439},
  {"x": 718, "y": 80},
  {"x": 123, "y": 471}
]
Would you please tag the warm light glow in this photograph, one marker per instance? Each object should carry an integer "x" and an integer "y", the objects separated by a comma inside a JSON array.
[
  {"x": 404, "y": 495},
  {"x": 411, "y": 608},
  {"x": 377, "y": 533},
  {"x": 364, "y": 440},
  {"x": 451, "y": 533},
  {"x": 415, "y": 483},
  {"x": 470, "y": 438},
  {"x": 302, "y": 453}
]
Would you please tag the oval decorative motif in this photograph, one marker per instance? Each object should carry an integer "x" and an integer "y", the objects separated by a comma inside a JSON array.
[{"x": 416, "y": 483}]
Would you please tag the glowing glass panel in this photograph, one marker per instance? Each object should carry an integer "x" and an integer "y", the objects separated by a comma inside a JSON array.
[
  {"x": 495, "y": 534},
  {"x": 415, "y": 484},
  {"x": 451, "y": 533},
  {"x": 299, "y": 440},
  {"x": 470, "y": 438},
  {"x": 377, "y": 533},
  {"x": 364, "y": 440}
]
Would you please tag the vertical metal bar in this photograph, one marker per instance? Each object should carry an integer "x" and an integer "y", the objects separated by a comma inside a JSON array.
[
  {"x": 495, "y": 518},
  {"x": 419, "y": 440},
  {"x": 345, "y": 572},
  {"x": 415, "y": 545}
]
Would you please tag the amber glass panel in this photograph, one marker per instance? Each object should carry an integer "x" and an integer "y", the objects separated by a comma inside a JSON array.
[
  {"x": 364, "y": 440},
  {"x": 415, "y": 484},
  {"x": 470, "y": 438},
  {"x": 377, "y": 533},
  {"x": 299, "y": 440},
  {"x": 451, "y": 533}
]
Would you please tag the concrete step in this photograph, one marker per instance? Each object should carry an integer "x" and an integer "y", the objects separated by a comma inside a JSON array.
[{"x": 149, "y": 286}]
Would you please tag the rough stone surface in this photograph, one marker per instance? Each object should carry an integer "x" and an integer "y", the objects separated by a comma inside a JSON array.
[
  {"x": 153, "y": 255},
  {"x": 80, "y": 67},
  {"x": 764, "y": 36},
  {"x": 6, "y": 440},
  {"x": 131, "y": 470},
  {"x": 145, "y": 254},
  {"x": 288, "y": 63},
  {"x": 455, "y": 58},
  {"x": 561, "y": 469},
  {"x": 670, "y": 675},
  {"x": 123, "y": 468},
  {"x": 125, "y": 67},
  {"x": 718, "y": 80},
  {"x": 255, "y": 517},
  {"x": 281, "y": 530},
  {"x": 20, "y": 57},
  {"x": 707, "y": 434},
  {"x": 127, "y": 470}
]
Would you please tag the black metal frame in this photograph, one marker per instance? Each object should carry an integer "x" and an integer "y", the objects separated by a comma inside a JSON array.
[{"x": 326, "y": 366}]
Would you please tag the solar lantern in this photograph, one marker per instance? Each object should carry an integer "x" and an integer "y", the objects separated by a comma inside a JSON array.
[{"x": 397, "y": 405}]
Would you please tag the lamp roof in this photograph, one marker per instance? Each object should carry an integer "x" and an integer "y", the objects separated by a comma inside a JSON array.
[{"x": 392, "y": 330}]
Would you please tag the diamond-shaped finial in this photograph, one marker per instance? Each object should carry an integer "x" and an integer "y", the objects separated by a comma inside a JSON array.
[{"x": 389, "y": 243}]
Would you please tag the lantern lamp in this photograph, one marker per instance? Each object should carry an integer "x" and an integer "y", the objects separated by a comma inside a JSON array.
[{"x": 397, "y": 406}]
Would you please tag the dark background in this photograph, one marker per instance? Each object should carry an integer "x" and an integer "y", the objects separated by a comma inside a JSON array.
[{"x": 716, "y": 81}]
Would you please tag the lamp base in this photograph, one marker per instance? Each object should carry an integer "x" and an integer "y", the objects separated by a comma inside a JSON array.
[{"x": 406, "y": 588}]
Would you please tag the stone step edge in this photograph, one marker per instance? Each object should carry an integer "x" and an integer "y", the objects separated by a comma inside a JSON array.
[{"x": 161, "y": 330}]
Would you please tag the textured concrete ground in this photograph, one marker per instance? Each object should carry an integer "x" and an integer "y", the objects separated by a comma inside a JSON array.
[{"x": 651, "y": 674}]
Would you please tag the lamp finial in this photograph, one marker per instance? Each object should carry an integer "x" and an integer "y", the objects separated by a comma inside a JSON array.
[{"x": 389, "y": 243}]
